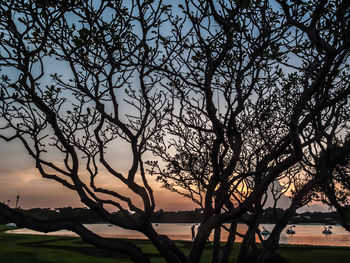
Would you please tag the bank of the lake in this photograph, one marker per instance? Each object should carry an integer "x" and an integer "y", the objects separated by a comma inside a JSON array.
[
  {"x": 310, "y": 234},
  {"x": 19, "y": 248}
]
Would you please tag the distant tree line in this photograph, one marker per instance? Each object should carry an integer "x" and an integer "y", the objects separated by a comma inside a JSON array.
[{"x": 87, "y": 216}]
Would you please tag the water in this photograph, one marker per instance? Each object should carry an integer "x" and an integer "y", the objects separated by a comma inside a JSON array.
[{"x": 305, "y": 234}]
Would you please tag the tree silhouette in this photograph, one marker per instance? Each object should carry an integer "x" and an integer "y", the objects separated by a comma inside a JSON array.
[
  {"x": 234, "y": 98},
  {"x": 277, "y": 74}
]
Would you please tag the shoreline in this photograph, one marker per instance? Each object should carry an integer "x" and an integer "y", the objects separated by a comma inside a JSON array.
[
  {"x": 17, "y": 248},
  {"x": 66, "y": 233}
]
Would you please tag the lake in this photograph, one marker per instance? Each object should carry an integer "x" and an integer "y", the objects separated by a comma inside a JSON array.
[{"x": 305, "y": 234}]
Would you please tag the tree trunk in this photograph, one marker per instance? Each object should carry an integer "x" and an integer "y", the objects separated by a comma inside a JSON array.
[
  {"x": 165, "y": 246},
  {"x": 245, "y": 245},
  {"x": 199, "y": 243},
  {"x": 216, "y": 245},
  {"x": 249, "y": 239},
  {"x": 269, "y": 248},
  {"x": 229, "y": 243}
]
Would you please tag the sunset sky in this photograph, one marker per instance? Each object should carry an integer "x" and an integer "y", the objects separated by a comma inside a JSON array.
[{"x": 18, "y": 176}]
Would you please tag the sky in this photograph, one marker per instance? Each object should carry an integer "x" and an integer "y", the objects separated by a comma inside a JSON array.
[{"x": 19, "y": 177}]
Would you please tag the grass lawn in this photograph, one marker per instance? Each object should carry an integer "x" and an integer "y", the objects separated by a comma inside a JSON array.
[{"x": 53, "y": 249}]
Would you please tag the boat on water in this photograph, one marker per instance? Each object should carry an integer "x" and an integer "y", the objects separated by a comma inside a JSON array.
[
  {"x": 265, "y": 232},
  {"x": 326, "y": 231},
  {"x": 290, "y": 231}
]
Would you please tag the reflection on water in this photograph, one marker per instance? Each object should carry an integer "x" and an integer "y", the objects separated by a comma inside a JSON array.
[{"x": 305, "y": 234}]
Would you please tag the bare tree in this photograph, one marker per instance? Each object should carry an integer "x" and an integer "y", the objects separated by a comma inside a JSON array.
[
  {"x": 101, "y": 90},
  {"x": 256, "y": 91},
  {"x": 335, "y": 191},
  {"x": 235, "y": 100}
]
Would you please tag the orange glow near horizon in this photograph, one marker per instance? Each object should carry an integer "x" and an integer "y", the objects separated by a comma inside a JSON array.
[
  {"x": 35, "y": 191},
  {"x": 19, "y": 177}
]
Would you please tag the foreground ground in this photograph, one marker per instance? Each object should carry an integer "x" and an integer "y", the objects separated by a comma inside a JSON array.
[{"x": 53, "y": 249}]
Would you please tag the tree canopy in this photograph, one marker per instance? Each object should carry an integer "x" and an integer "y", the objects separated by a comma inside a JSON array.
[{"x": 236, "y": 100}]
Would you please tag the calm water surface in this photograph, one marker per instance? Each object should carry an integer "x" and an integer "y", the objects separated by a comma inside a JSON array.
[{"x": 305, "y": 234}]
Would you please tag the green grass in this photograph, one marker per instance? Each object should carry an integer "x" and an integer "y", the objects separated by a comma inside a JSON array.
[
  {"x": 314, "y": 254},
  {"x": 53, "y": 249},
  {"x": 16, "y": 248}
]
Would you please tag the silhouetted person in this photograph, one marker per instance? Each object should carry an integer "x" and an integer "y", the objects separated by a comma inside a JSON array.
[{"x": 192, "y": 231}]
